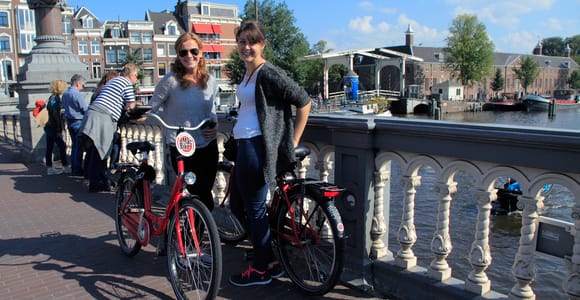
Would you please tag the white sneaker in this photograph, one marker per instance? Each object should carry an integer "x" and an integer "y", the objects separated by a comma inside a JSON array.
[
  {"x": 53, "y": 171},
  {"x": 67, "y": 169}
]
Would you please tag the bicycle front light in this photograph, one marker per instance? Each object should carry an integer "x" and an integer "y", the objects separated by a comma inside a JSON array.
[{"x": 189, "y": 178}]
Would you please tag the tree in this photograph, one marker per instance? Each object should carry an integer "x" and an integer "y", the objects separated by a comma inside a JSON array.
[
  {"x": 574, "y": 80},
  {"x": 285, "y": 41},
  {"x": 527, "y": 72},
  {"x": 553, "y": 46},
  {"x": 469, "y": 54},
  {"x": 498, "y": 82}
]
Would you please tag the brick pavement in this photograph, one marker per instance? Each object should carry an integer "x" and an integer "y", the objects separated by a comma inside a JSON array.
[{"x": 57, "y": 241}]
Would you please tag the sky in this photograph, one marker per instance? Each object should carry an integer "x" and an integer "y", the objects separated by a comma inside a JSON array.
[{"x": 514, "y": 26}]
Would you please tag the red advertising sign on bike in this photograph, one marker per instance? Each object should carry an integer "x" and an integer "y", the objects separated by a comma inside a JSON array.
[{"x": 185, "y": 144}]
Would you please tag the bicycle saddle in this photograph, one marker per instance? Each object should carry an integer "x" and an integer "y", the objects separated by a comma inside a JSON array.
[
  {"x": 301, "y": 152},
  {"x": 135, "y": 147}
]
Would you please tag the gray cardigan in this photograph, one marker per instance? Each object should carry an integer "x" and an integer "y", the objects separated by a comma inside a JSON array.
[{"x": 275, "y": 95}]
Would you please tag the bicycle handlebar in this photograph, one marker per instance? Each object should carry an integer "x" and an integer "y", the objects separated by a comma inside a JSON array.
[{"x": 205, "y": 123}]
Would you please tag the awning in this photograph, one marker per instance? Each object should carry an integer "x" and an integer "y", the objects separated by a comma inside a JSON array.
[
  {"x": 213, "y": 48},
  {"x": 226, "y": 88},
  {"x": 217, "y": 29},
  {"x": 202, "y": 28}
]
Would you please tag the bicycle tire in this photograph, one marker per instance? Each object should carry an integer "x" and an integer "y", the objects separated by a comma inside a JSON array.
[
  {"x": 129, "y": 245},
  {"x": 195, "y": 276},
  {"x": 230, "y": 228},
  {"x": 313, "y": 265}
]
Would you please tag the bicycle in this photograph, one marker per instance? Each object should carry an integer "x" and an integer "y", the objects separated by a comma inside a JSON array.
[
  {"x": 307, "y": 228},
  {"x": 192, "y": 240}
]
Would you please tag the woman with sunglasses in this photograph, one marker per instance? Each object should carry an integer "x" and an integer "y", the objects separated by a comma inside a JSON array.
[{"x": 187, "y": 95}]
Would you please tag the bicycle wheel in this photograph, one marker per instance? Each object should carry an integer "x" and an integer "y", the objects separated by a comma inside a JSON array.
[
  {"x": 197, "y": 274},
  {"x": 230, "y": 228},
  {"x": 314, "y": 263},
  {"x": 127, "y": 192}
]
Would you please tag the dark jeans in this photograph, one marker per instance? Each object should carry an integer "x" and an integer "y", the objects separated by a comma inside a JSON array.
[
  {"x": 53, "y": 137},
  {"x": 76, "y": 155},
  {"x": 115, "y": 150},
  {"x": 96, "y": 169},
  {"x": 203, "y": 163},
  {"x": 248, "y": 198}
]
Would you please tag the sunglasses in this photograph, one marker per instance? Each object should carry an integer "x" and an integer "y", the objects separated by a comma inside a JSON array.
[{"x": 193, "y": 51}]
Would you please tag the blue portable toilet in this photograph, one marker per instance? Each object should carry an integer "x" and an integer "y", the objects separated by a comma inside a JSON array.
[{"x": 351, "y": 86}]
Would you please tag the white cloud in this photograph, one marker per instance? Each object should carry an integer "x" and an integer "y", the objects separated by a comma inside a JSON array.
[
  {"x": 519, "y": 42},
  {"x": 362, "y": 24},
  {"x": 553, "y": 24}
]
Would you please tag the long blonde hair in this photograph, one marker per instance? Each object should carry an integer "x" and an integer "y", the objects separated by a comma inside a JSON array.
[{"x": 179, "y": 70}]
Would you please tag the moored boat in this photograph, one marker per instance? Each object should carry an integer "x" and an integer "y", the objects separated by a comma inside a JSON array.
[{"x": 536, "y": 103}]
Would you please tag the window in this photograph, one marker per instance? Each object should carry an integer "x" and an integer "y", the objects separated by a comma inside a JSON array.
[
  {"x": 26, "y": 19},
  {"x": 115, "y": 32},
  {"x": 161, "y": 50},
  {"x": 171, "y": 51},
  {"x": 95, "y": 47},
  {"x": 147, "y": 54},
  {"x": 66, "y": 26},
  {"x": 4, "y": 44},
  {"x": 3, "y": 19},
  {"x": 147, "y": 37},
  {"x": 161, "y": 69},
  {"x": 121, "y": 55},
  {"x": 83, "y": 48},
  {"x": 135, "y": 37},
  {"x": 7, "y": 65},
  {"x": 216, "y": 73},
  {"x": 88, "y": 22},
  {"x": 458, "y": 92},
  {"x": 172, "y": 29},
  {"x": 111, "y": 56}
]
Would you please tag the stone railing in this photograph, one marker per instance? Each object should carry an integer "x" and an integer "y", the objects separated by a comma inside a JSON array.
[
  {"x": 10, "y": 129},
  {"x": 361, "y": 154}
]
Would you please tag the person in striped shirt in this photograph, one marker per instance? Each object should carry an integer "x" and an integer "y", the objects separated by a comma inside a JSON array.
[{"x": 100, "y": 123}]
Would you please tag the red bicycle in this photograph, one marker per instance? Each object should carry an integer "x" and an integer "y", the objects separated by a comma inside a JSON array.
[
  {"x": 308, "y": 232},
  {"x": 193, "y": 247}
]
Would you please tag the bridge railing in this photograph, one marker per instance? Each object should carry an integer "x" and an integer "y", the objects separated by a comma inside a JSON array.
[{"x": 400, "y": 235}]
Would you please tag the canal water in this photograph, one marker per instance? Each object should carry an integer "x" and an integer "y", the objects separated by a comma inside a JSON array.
[{"x": 505, "y": 230}]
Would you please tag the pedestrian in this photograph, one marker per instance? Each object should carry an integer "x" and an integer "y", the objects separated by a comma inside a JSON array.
[
  {"x": 100, "y": 123},
  {"x": 187, "y": 96},
  {"x": 75, "y": 108},
  {"x": 266, "y": 136},
  {"x": 116, "y": 147},
  {"x": 54, "y": 127}
]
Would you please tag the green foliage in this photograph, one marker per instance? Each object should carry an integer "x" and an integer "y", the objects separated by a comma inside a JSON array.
[
  {"x": 498, "y": 81},
  {"x": 285, "y": 41},
  {"x": 574, "y": 80},
  {"x": 527, "y": 72},
  {"x": 469, "y": 54},
  {"x": 553, "y": 46}
]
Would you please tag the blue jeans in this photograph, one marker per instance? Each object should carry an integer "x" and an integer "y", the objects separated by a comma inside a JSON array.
[
  {"x": 76, "y": 155},
  {"x": 53, "y": 137},
  {"x": 248, "y": 198}
]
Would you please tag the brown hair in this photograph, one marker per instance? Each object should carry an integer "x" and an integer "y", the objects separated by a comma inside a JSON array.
[
  {"x": 253, "y": 31},
  {"x": 108, "y": 76},
  {"x": 57, "y": 87},
  {"x": 178, "y": 68}
]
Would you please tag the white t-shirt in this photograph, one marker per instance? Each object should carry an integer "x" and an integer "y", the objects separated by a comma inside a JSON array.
[{"x": 247, "y": 125}]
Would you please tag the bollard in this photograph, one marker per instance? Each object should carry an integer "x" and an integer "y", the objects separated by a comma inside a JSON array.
[
  {"x": 552, "y": 108},
  {"x": 437, "y": 115}
]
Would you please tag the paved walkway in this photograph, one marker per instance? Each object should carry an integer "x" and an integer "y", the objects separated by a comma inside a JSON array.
[{"x": 57, "y": 241}]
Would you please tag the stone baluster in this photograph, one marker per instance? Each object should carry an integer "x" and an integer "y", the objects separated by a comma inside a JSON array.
[
  {"x": 572, "y": 283},
  {"x": 524, "y": 267},
  {"x": 441, "y": 244},
  {"x": 480, "y": 254},
  {"x": 155, "y": 136},
  {"x": 407, "y": 236},
  {"x": 378, "y": 227},
  {"x": 303, "y": 167},
  {"x": 123, "y": 153}
]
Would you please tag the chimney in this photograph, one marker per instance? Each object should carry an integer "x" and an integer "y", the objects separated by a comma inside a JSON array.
[
  {"x": 567, "y": 51},
  {"x": 538, "y": 49},
  {"x": 409, "y": 36}
]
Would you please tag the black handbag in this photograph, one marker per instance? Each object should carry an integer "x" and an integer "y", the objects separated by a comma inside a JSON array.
[{"x": 231, "y": 149}]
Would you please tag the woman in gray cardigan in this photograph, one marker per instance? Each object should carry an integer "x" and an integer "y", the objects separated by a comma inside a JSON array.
[{"x": 266, "y": 135}]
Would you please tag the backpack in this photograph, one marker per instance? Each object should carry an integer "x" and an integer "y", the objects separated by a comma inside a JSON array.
[{"x": 54, "y": 108}]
